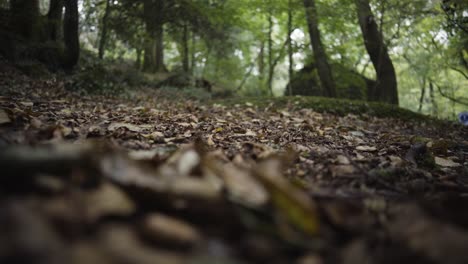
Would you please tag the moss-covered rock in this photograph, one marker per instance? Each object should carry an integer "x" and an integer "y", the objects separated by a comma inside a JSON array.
[
  {"x": 349, "y": 84},
  {"x": 339, "y": 107},
  {"x": 184, "y": 80}
]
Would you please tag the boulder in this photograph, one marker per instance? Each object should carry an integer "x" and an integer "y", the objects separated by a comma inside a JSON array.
[
  {"x": 184, "y": 80},
  {"x": 349, "y": 84}
]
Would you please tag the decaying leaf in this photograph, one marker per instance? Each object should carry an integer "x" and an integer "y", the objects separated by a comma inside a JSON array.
[
  {"x": 170, "y": 231},
  {"x": 4, "y": 118},
  {"x": 131, "y": 127},
  {"x": 293, "y": 203},
  {"x": 366, "y": 148},
  {"x": 107, "y": 200},
  {"x": 446, "y": 162},
  {"x": 242, "y": 187}
]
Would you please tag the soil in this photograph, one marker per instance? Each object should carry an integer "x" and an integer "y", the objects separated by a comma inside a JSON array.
[{"x": 94, "y": 179}]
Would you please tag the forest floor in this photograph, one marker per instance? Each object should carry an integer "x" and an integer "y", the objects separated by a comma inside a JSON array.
[{"x": 93, "y": 179}]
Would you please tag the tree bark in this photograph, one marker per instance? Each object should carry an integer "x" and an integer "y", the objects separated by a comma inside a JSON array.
[
  {"x": 25, "y": 18},
  {"x": 270, "y": 50},
  {"x": 423, "y": 92},
  {"x": 54, "y": 20},
  {"x": 290, "y": 48},
  {"x": 435, "y": 109},
  {"x": 323, "y": 67},
  {"x": 192, "y": 53},
  {"x": 386, "y": 89},
  {"x": 261, "y": 64},
  {"x": 71, "y": 34},
  {"x": 138, "y": 59},
  {"x": 103, "y": 39},
  {"x": 154, "y": 46},
  {"x": 149, "y": 57},
  {"x": 159, "y": 49},
  {"x": 185, "y": 49}
]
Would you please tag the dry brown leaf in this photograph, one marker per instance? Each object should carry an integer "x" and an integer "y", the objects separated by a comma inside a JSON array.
[
  {"x": 4, "y": 118},
  {"x": 366, "y": 148},
  {"x": 446, "y": 163}
]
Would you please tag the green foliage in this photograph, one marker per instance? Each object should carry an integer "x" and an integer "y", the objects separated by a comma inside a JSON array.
[{"x": 226, "y": 37}]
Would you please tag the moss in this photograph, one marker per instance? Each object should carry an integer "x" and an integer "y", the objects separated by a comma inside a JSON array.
[
  {"x": 339, "y": 107},
  {"x": 441, "y": 146},
  {"x": 419, "y": 139},
  {"x": 426, "y": 160},
  {"x": 349, "y": 84}
]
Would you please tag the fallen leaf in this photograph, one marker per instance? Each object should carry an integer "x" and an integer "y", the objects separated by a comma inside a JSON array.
[
  {"x": 342, "y": 170},
  {"x": 4, "y": 118},
  {"x": 114, "y": 126},
  {"x": 27, "y": 104},
  {"x": 446, "y": 163},
  {"x": 209, "y": 141},
  {"x": 170, "y": 231},
  {"x": 292, "y": 202},
  {"x": 107, "y": 200},
  {"x": 366, "y": 148},
  {"x": 343, "y": 160}
]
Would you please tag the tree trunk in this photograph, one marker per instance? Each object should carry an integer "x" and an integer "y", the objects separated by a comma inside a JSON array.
[
  {"x": 323, "y": 68},
  {"x": 192, "y": 53},
  {"x": 290, "y": 48},
  {"x": 138, "y": 59},
  {"x": 386, "y": 89},
  {"x": 270, "y": 50},
  {"x": 154, "y": 44},
  {"x": 423, "y": 92},
  {"x": 150, "y": 41},
  {"x": 71, "y": 34},
  {"x": 261, "y": 64},
  {"x": 435, "y": 109},
  {"x": 185, "y": 49},
  {"x": 25, "y": 18},
  {"x": 159, "y": 49},
  {"x": 54, "y": 20},
  {"x": 103, "y": 39}
]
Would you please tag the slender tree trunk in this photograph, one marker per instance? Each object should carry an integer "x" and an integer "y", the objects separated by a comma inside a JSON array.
[
  {"x": 138, "y": 58},
  {"x": 323, "y": 67},
  {"x": 54, "y": 19},
  {"x": 290, "y": 48},
  {"x": 261, "y": 64},
  {"x": 246, "y": 76},
  {"x": 386, "y": 89},
  {"x": 435, "y": 109},
  {"x": 103, "y": 40},
  {"x": 71, "y": 34},
  {"x": 270, "y": 50},
  {"x": 159, "y": 49},
  {"x": 192, "y": 53},
  {"x": 423, "y": 92},
  {"x": 185, "y": 48}
]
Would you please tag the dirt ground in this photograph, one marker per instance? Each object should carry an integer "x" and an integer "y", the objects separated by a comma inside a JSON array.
[{"x": 93, "y": 179}]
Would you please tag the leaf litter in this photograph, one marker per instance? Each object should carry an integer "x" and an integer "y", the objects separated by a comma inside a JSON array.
[{"x": 105, "y": 180}]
